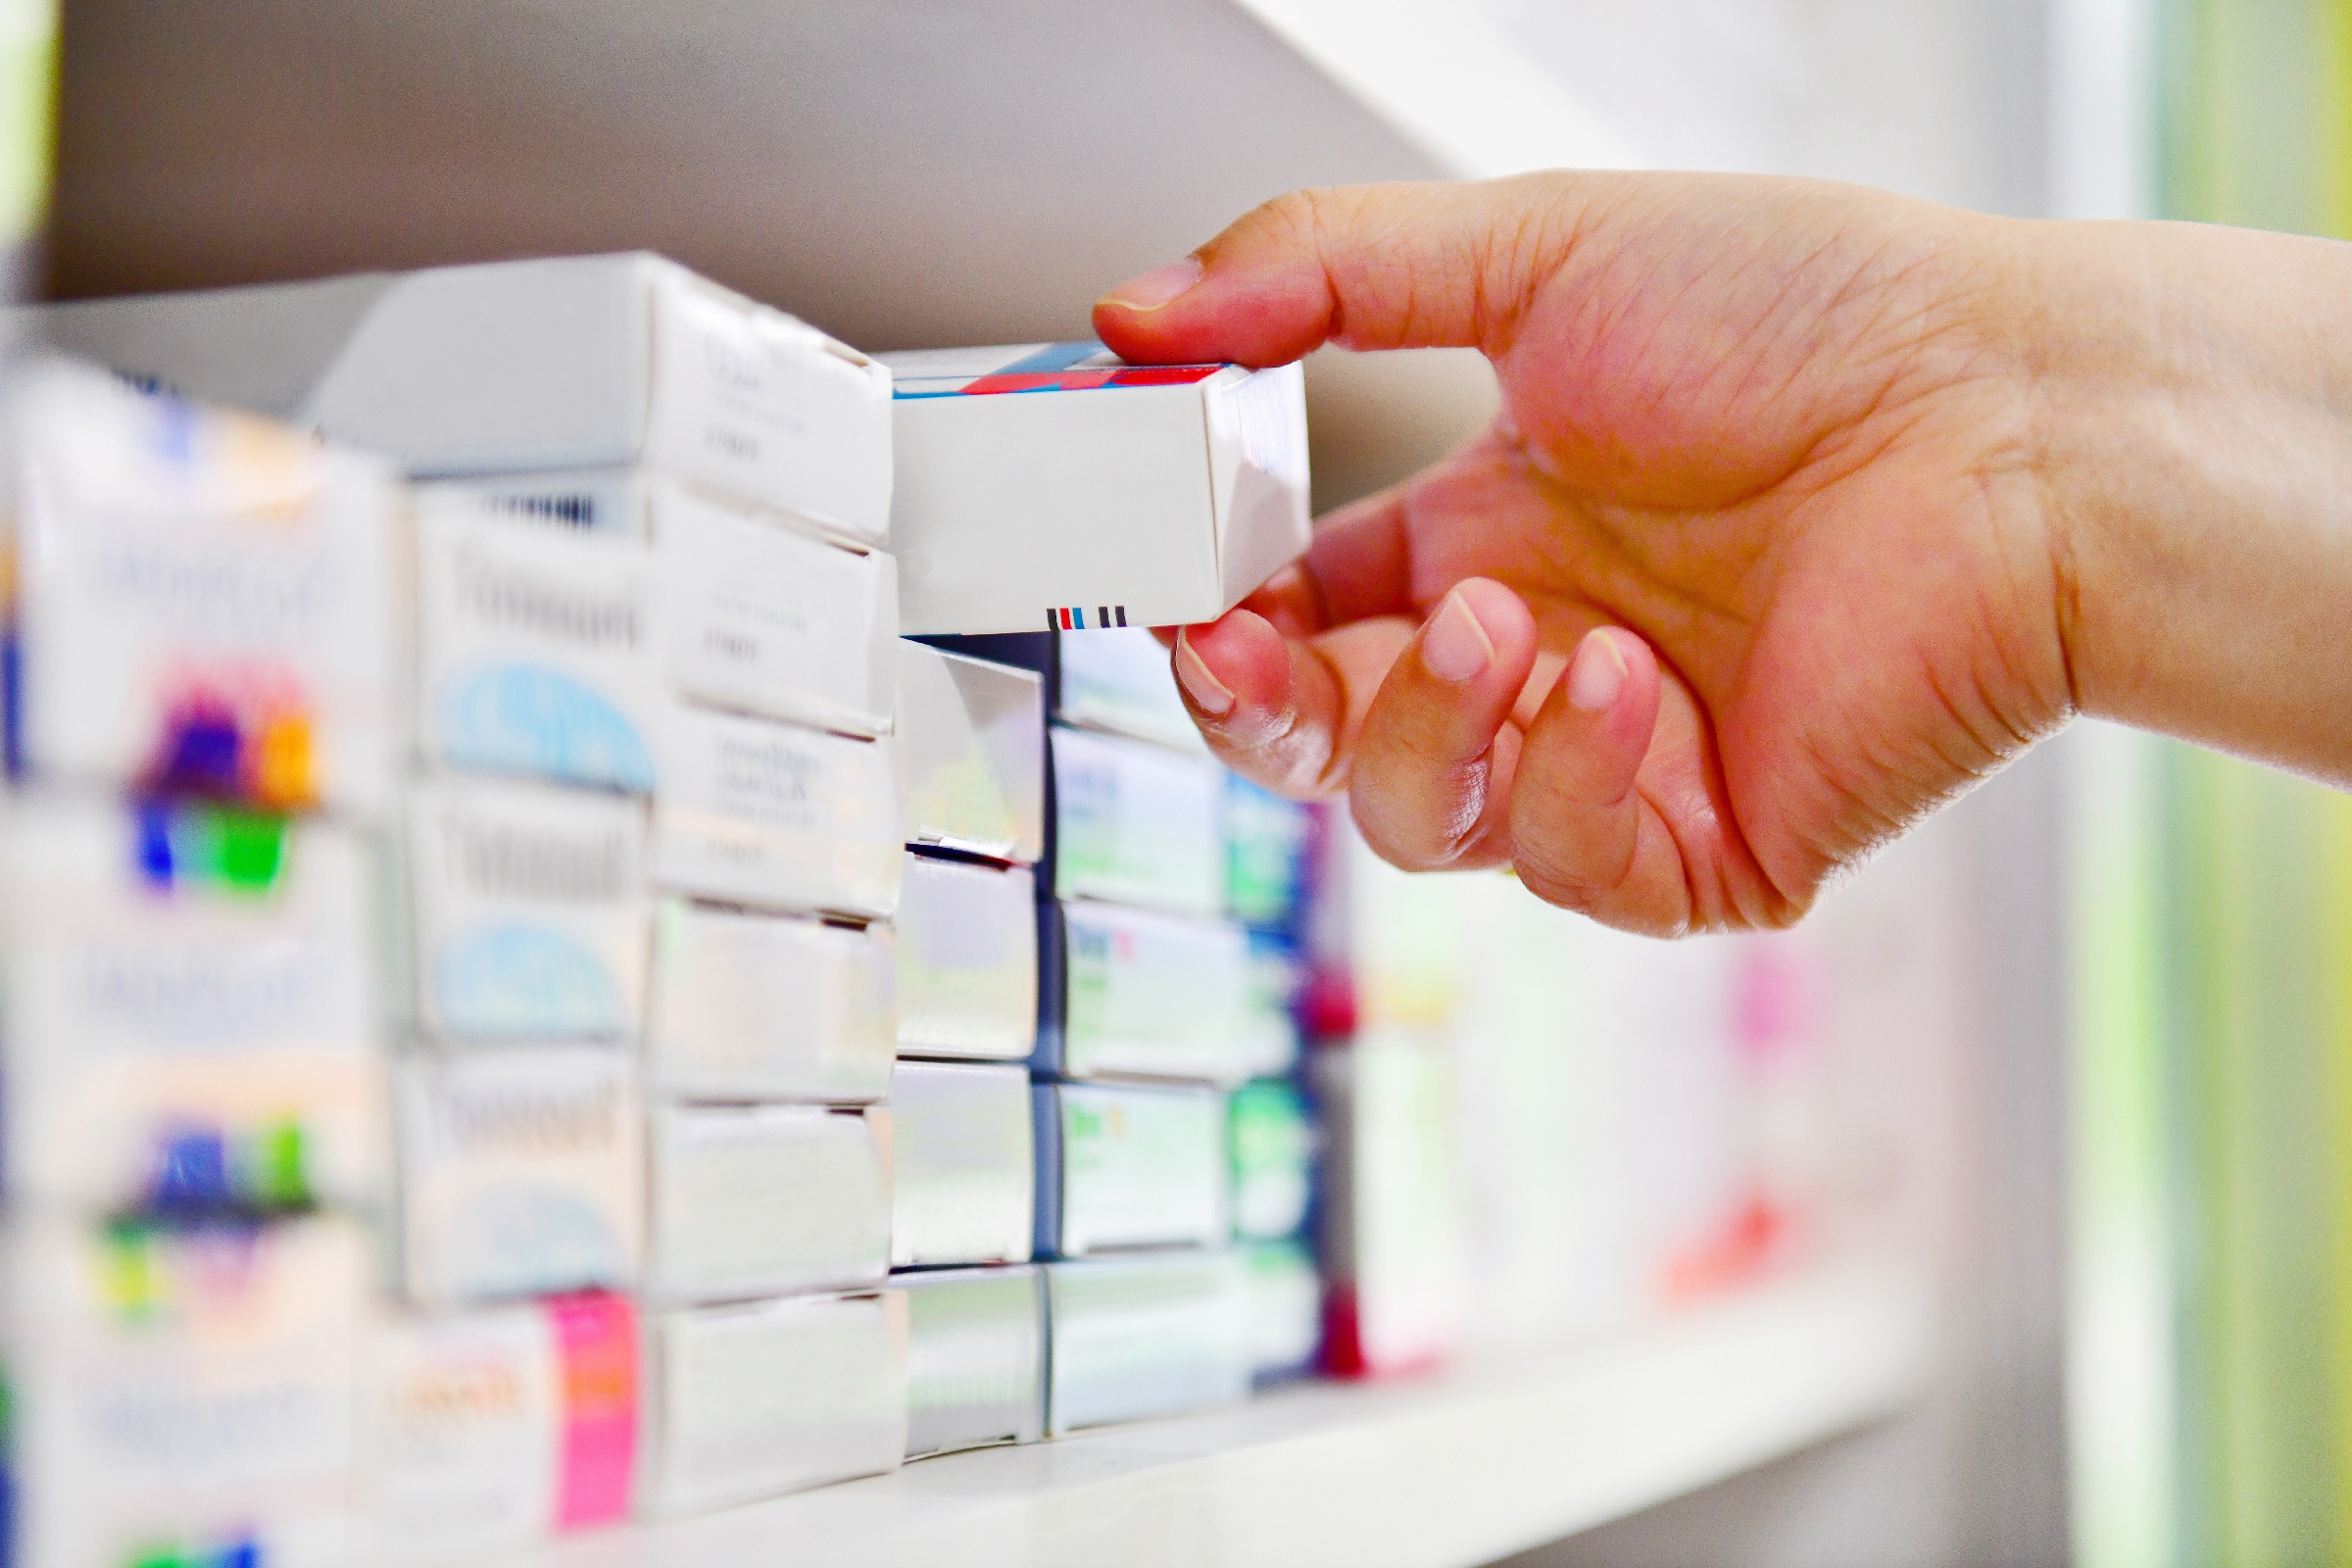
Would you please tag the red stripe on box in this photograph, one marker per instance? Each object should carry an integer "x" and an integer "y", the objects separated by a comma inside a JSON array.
[{"x": 1164, "y": 374}]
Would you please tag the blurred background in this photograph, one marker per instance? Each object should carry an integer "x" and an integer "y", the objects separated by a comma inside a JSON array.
[{"x": 2091, "y": 1031}]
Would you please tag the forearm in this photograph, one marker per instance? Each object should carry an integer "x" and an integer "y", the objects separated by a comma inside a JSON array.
[{"x": 2194, "y": 402}]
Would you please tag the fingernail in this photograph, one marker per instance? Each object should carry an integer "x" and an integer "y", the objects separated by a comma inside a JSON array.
[
  {"x": 1157, "y": 287},
  {"x": 1596, "y": 675},
  {"x": 1453, "y": 645},
  {"x": 1208, "y": 694}
]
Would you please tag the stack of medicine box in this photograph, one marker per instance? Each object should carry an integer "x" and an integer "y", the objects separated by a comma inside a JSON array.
[
  {"x": 201, "y": 722},
  {"x": 1053, "y": 479},
  {"x": 1151, "y": 1009},
  {"x": 655, "y": 683},
  {"x": 971, "y": 748}
]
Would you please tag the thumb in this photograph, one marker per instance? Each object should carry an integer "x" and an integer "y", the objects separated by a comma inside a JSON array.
[{"x": 1365, "y": 267}]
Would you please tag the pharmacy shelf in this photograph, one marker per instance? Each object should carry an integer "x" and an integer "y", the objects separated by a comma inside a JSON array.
[{"x": 1441, "y": 1471}]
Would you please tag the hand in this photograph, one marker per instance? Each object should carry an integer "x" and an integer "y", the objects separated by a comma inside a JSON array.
[{"x": 1757, "y": 567}]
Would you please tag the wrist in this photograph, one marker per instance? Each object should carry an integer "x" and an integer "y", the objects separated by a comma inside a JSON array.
[{"x": 2192, "y": 398}]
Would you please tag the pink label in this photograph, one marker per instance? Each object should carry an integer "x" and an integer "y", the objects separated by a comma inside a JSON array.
[{"x": 596, "y": 1336}]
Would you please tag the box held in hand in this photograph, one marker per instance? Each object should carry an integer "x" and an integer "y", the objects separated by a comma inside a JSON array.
[{"x": 1053, "y": 479}]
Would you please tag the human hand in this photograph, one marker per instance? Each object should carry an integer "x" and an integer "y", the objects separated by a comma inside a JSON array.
[{"x": 1755, "y": 568}]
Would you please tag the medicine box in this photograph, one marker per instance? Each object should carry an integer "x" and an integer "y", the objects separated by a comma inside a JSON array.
[
  {"x": 1273, "y": 1143},
  {"x": 963, "y": 1164},
  {"x": 967, "y": 960},
  {"x": 1282, "y": 1307},
  {"x": 749, "y": 1401},
  {"x": 1134, "y": 1338},
  {"x": 530, "y": 910},
  {"x": 495, "y": 1429},
  {"x": 187, "y": 1018},
  {"x": 1135, "y": 823},
  {"x": 750, "y": 1201},
  {"x": 576, "y": 361},
  {"x": 1053, "y": 479},
  {"x": 535, "y": 649},
  {"x": 975, "y": 1357},
  {"x": 1119, "y": 681},
  {"x": 971, "y": 754},
  {"x": 202, "y": 601},
  {"x": 521, "y": 1173},
  {"x": 774, "y": 816},
  {"x": 754, "y": 616},
  {"x": 1122, "y": 1166},
  {"x": 748, "y": 1005},
  {"x": 183, "y": 1393},
  {"x": 1133, "y": 994},
  {"x": 1266, "y": 847}
]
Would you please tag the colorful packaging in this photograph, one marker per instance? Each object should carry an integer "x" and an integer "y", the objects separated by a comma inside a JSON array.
[
  {"x": 763, "y": 1006},
  {"x": 1273, "y": 1143},
  {"x": 751, "y": 1201},
  {"x": 519, "y": 1174},
  {"x": 1268, "y": 1041},
  {"x": 202, "y": 601},
  {"x": 530, "y": 910},
  {"x": 576, "y": 361},
  {"x": 495, "y": 1428},
  {"x": 774, "y": 815},
  {"x": 1282, "y": 1307},
  {"x": 1001, "y": 500},
  {"x": 1134, "y": 1338},
  {"x": 749, "y": 1401},
  {"x": 963, "y": 1164},
  {"x": 1127, "y": 993},
  {"x": 535, "y": 647},
  {"x": 1267, "y": 839},
  {"x": 188, "y": 1022},
  {"x": 1119, "y": 681},
  {"x": 1121, "y": 1167},
  {"x": 971, "y": 754},
  {"x": 1137, "y": 824},
  {"x": 975, "y": 1357},
  {"x": 184, "y": 1394},
  {"x": 967, "y": 960}
]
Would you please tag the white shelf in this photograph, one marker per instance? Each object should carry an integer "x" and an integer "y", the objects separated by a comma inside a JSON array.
[{"x": 1442, "y": 1472}]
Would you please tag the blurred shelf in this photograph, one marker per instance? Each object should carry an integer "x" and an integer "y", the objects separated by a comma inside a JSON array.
[{"x": 1442, "y": 1472}]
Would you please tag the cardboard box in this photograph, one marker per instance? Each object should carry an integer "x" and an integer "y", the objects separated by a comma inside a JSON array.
[
  {"x": 1127, "y": 1166},
  {"x": 1004, "y": 504},
  {"x": 494, "y": 1430},
  {"x": 203, "y": 602},
  {"x": 530, "y": 910},
  {"x": 1282, "y": 1306},
  {"x": 187, "y": 1016},
  {"x": 576, "y": 361},
  {"x": 967, "y": 960},
  {"x": 750, "y": 1201},
  {"x": 1142, "y": 1336},
  {"x": 1266, "y": 842},
  {"x": 183, "y": 1394},
  {"x": 963, "y": 1164},
  {"x": 776, "y": 816},
  {"x": 1131, "y": 994},
  {"x": 750, "y": 1401},
  {"x": 765, "y": 1007},
  {"x": 975, "y": 1357},
  {"x": 1269, "y": 1040},
  {"x": 1273, "y": 1143},
  {"x": 751, "y": 613},
  {"x": 521, "y": 1173},
  {"x": 535, "y": 647},
  {"x": 971, "y": 754},
  {"x": 1137, "y": 824},
  {"x": 1119, "y": 681}
]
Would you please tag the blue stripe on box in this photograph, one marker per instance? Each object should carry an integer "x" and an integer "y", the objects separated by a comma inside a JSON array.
[{"x": 1053, "y": 357}]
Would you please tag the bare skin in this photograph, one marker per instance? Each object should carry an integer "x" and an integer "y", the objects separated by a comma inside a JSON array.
[{"x": 1809, "y": 506}]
